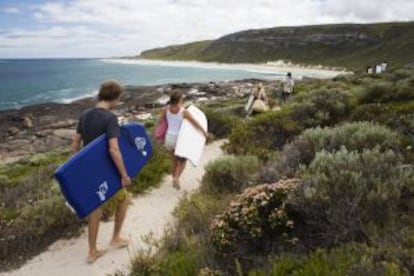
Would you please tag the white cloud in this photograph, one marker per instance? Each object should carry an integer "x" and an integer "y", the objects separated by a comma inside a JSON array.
[
  {"x": 11, "y": 10},
  {"x": 126, "y": 27}
]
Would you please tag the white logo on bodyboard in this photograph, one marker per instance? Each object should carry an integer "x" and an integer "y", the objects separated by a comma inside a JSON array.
[
  {"x": 102, "y": 189},
  {"x": 141, "y": 142}
]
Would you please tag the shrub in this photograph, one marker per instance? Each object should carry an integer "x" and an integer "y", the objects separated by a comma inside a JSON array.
[
  {"x": 351, "y": 259},
  {"x": 379, "y": 92},
  {"x": 221, "y": 123},
  {"x": 153, "y": 172},
  {"x": 230, "y": 174},
  {"x": 258, "y": 218},
  {"x": 353, "y": 136},
  {"x": 263, "y": 135},
  {"x": 345, "y": 193},
  {"x": 323, "y": 107},
  {"x": 195, "y": 212}
]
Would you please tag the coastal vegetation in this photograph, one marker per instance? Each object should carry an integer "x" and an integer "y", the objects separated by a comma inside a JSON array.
[
  {"x": 352, "y": 46},
  {"x": 325, "y": 186}
]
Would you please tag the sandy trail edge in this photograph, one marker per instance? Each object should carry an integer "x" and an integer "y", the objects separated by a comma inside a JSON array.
[{"x": 149, "y": 213}]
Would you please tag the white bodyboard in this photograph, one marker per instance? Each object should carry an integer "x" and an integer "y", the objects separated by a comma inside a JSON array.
[
  {"x": 249, "y": 103},
  {"x": 191, "y": 141}
]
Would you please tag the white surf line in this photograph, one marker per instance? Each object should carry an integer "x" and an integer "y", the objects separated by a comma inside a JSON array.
[{"x": 151, "y": 212}]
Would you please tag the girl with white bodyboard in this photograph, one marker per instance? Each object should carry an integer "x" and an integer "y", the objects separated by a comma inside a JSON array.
[{"x": 174, "y": 114}]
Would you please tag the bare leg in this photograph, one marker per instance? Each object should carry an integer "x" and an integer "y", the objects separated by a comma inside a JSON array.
[
  {"x": 174, "y": 164},
  {"x": 119, "y": 220},
  {"x": 93, "y": 228},
  {"x": 180, "y": 168}
]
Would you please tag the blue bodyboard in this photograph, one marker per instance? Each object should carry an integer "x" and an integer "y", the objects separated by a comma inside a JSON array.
[{"x": 90, "y": 178}]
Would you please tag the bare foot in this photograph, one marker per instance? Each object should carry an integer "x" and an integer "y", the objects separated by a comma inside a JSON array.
[
  {"x": 119, "y": 243},
  {"x": 94, "y": 256}
]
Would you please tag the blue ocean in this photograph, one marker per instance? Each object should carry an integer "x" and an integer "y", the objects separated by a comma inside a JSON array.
[{"x": 28, "y": 82}]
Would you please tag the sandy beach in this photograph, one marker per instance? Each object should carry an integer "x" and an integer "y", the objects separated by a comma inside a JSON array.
[{"x": 274, "y": 69}]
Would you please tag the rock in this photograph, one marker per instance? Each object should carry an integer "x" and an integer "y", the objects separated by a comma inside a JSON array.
[
  {"x": 44, "y": 133},
  {"x": 13, "y": 131},
  {"x": 64, "y": 124},
  {"x": 64, "y": 133},
  {"x": 27, "y": 122}
]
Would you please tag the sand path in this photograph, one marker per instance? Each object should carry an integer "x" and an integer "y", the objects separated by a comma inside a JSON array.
[{"x": 151, "y": 212}]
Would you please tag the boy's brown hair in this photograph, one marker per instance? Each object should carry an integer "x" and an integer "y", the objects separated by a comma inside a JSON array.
[
  {"x": 175, "y": 97},
  {"x": 110, "y": 91}
]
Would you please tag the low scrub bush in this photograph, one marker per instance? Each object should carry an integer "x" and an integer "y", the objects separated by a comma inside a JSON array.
[
  {"x": 258, "y": 219},
  {"x": 378, "y": 92},
  {"x": 195, "y": 212},
  {"x": 322, "y": 107},
  {"x": 221, "y": 123},
  {"x": 345, "y": 194},
  {"x": 268, "y": 132},
  {"x": 351, "y": 259},
  {"x": 352, "y": 136},
  {"x": 230, "y": 174},
  {"x": 263, "y": 135},
  {"x": 36, "y": 225},
  {"x": 153, "y": 172}
]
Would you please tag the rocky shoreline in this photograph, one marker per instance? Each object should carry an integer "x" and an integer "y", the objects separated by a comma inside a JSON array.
[{"x": 41, "y": 128}]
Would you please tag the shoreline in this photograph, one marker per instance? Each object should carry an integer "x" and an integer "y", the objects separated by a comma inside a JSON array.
[
  {"x": 271, "y": 71},
  {"x": 39, "y": 128},
  {"x": 279, "y": 68}
]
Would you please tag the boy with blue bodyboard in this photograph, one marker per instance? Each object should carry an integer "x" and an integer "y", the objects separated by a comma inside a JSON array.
[{"x": 93, "y": 123}]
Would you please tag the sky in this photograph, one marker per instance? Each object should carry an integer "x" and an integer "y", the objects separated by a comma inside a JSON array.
[{"x": 110, "y": 28}]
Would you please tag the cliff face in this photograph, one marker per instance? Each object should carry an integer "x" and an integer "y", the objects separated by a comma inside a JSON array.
[{"x": 348, "y": 45}]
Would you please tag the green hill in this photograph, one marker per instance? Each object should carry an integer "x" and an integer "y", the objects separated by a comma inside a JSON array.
[{"x": 353, "y": 46}]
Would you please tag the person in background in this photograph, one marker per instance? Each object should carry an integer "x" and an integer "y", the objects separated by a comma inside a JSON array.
[
  {"x": 288, "y": 86},
  {"x": 175, "y": 114},
  {"x": 93, "y": 123},
  {"x": 260, "y": 101}
]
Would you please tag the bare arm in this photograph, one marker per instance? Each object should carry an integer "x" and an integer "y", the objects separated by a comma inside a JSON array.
[
  {"x": 119, "y": 162},
  {"x": 76, "y": 143},
  {"x": 193, "y": 121}
]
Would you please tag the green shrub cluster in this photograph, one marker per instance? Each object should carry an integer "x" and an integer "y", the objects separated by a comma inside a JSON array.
[
  {"x": 352, "y": 259},
  {"x": 257, "y": 218},
  {"x": 266, "y": 133},
  {"x": 345, "y": 193},
  {"x": 384, "y": 92},
  {"x": 321, "y": 107},
  {"x": 353, "y": 136},
  {"x": 230, "y": 174},
  {"x": 263, "y": 135},
  {"x": 153, "y": 172},
  {"x": 221, "y": 123}
]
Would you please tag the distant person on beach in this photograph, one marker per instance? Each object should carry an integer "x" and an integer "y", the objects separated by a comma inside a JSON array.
[
  {"x": 288, "y": 86},
  {"x": 93, "y": 123},
  {"x": 175, "y": 113}
]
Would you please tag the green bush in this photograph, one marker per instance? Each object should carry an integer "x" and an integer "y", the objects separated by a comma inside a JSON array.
[
  {"x": 153, "y": 172},
  {"x": 195, "y": 212},
  {"x": 263, "y": 135},
  {"x": 352, "y": 259},
  {"x": 378, "y": 92},
  {"x": 353, "y": 136},
  {"x": 345, "y": 194},
  {"x": 257, "y": 219},
  {"x": 322, "y": 107},
  {"x": 230, "y": 174},
  {"x": 34, "y": 227},
  {"x": 221, "y": 123}
]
